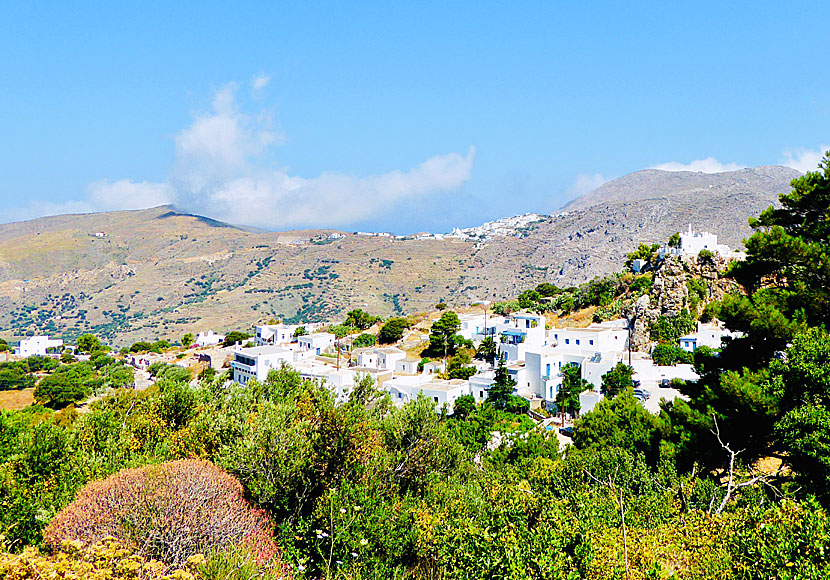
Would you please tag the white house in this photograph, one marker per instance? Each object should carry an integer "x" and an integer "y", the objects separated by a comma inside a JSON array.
[
  {"x": 707, "y": 334},
  {"x": 37, "y": 345},
  {"x": 596, "y": 337},
  {"x": 384, "y": 358},
  {"x": 317, "y": 342},
  {"x": 257, "y": 362},
  {"x": 271, "y": 334},
  {"x": 208, "y": 338},
  {"x": 523, "y": 331},
  {"x": 339, "y": 381},
  {"x": 405, "y": 389},
  {"x": 407, "y": 366},
  {"x": 595, "y": 349},
  {"x": 472, "y": 326}
]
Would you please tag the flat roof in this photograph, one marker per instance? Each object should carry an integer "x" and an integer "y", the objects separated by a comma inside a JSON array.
[{"x": 260, "y": 350}]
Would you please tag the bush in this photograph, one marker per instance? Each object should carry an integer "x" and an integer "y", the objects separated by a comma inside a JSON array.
[
  {"x": 170, "y": 511},
  {"x": 365, "y": 340}
]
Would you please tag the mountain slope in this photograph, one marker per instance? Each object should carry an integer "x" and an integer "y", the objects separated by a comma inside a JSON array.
[
  {"x": 656, "y": 184},
  {"x": 160, "y": 273}
]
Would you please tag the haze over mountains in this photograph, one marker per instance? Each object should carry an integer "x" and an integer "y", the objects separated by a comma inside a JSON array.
[{"x": 159, "y": 273}]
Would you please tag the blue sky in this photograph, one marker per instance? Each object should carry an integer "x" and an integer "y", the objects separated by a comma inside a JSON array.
[{"x": 412, "y": 117}]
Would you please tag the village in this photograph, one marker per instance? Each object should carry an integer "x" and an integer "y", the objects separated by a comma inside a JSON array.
[{"x": 529, "y": 349}]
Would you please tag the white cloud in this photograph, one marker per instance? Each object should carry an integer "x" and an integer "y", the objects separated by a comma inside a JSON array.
[
  {"x": 127, "y": 194},
  {"x": 708, "y": 165},
  {"x": 585, "y": 183},
  {"x": 221, "y": 170},
  {"x": 804, "y": 160},
  {"x": 277, "y": 198},
  {"x": 259, "y": 83}
]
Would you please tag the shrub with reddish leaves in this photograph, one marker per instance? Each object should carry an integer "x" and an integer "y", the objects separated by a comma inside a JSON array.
[{"x": 169, "y": 511}]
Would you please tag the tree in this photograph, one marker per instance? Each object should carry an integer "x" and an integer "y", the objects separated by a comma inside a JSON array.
[
  {"x": 4, "y": 346},
  {"x": 62, "y": 388},
  {"x": 441, "y": 306},
  {"x": 463, "y": 406},
  {"x": 645, "y": 252},
  {"x": 188, "y": 339},
  {"x": 392, "y": 330},
  {"x": 616, "y": 380},
  {"x": 15, "y": 375},
  {"x": 620, "y": 422},
  {"x": 501, "y": 391},
  {"x": 569, "y": 390},
  {"x": 87, "y": 343},
  {"x": 487, "y": 349},
  {"x": 360, "y": 320},
  {"x": 674, "y": 240},
  {"x": 442, "y": 333},
  {"x": 299, "y": 331},
  {"x": 459, "y": 367},
  {"x": 235, "y": 336},
  {"x": 668, "y": 354}
]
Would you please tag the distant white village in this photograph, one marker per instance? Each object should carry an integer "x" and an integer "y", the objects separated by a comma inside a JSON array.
[{"x": 533, "y": 354}]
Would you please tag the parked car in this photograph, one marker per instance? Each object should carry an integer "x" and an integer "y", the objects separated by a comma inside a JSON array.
[
  {"x": 665, "y": 383},
  {"x": 636, "y": 383},
  {"x": 642, "y": 393},
  {"x": 567, "y": 431}
]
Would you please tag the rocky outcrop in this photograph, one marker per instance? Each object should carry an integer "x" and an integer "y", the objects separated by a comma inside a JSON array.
[{"x": 670, "y": 294}]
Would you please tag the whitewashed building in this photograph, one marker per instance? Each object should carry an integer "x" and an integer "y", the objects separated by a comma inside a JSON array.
[
  {"x": 404, "y": 389},
  {"x": 256, "y": 362},
  {"x": 208, "y": 338},
  {"x": 317, "y": 342},
  {"x": 407, "y": 366},
  {"x": 384, "y": 358},
  {"x": 706, "y": 334},
  {"x": 37, "y": 345},
  {"x": 273, "y": 334}
]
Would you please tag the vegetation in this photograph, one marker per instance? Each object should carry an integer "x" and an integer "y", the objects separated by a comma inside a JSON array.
[
  {"x": 616, "y": 380},
  {"x": 235, "y": 336},
  {"x": 392, "y": 330},
  {"x": 360, "y": 320},
  {"x": 364, "y": 489},
  {"x": 364, "y": 340}
]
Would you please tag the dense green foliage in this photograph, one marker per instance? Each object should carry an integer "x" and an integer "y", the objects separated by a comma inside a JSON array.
[
  {"x": 392, "y": 330},
  {"x": 235, "y": 336},
  {"x": 616, "y": 380},
  {"x": 364, "y": 340},
  {"x": 668, "y": 354},
  {"x": 360, "y": 320}
]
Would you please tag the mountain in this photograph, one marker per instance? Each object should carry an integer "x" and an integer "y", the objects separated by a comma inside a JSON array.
[
  {"x": 158, "y": 273},
  {"x": 657, "y": 184}
]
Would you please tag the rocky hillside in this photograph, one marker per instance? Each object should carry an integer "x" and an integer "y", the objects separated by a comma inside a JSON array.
[
  {"x": 160, "y": 273},
  {"x": 654, "y": 184}
]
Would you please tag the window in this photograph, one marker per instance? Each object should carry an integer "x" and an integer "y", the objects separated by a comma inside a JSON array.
[
  {"x": 556, "y": 337},
  {"x": 435, "y": 399},
  {"x": 481, "y": 394},
  {"x": 591, "y": 341},
  {"x": 547, "y": 369},
  {"x": 577, "y": 341},
  {"x": 567, "y": 341}
]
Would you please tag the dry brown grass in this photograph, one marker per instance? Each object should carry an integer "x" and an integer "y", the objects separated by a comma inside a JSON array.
[{"x": 16, "y": 400}]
